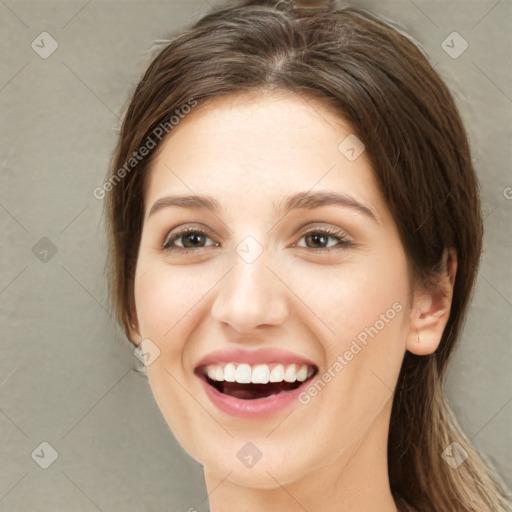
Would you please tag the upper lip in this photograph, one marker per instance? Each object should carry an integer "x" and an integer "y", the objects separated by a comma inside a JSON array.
[{"x": 260, "y": 356}]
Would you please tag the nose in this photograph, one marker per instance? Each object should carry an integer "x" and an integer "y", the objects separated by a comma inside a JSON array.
[{"x": 250, "y": 296}]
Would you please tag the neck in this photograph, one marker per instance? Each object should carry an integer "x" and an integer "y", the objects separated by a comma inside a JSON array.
[{"x": 356, "y": 480}]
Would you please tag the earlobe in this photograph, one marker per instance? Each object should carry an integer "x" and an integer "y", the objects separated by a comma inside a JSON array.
[
  {"x": 134, "y": 334},
  {"x": 431, "y": 307}
]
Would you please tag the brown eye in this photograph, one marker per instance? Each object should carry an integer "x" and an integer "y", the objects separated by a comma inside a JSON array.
[
  {"x": 317, "y": 238},
  {"x": 192, "y": 238},
  {"x": 321, "y": 237}
]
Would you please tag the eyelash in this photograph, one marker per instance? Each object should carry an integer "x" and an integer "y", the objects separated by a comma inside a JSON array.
[{"x": 331, "y": 232}]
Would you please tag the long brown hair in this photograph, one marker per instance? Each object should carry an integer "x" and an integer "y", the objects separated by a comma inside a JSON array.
[{"x": 378, "y": 80}]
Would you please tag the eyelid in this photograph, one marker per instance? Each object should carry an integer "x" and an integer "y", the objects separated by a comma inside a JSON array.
[{"x": 321, "y": 226}]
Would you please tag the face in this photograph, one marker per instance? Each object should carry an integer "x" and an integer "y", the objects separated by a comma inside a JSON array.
[{"x": 281, "y": 315}]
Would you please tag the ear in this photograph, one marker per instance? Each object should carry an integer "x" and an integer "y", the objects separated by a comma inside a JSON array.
[{"x": 431, "y": 307}]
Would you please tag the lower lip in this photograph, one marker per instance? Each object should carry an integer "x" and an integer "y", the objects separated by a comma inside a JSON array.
[{"x": 252, "y": 408}]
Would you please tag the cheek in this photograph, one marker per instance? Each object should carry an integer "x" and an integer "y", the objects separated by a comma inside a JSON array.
[
  {"x": 364, "y": 303},
  {"x": 164, "y": 296},
  {"x": 165, "y": 299},
  {"x": 346, "y": 300}
]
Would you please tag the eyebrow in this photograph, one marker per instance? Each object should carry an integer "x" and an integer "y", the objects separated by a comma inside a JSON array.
[{"x": 301, "y": 200}]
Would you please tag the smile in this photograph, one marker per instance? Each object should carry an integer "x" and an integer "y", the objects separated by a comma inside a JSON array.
[{"x": 251, "y": 382}]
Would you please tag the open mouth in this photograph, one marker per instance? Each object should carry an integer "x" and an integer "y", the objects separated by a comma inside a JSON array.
[{"x": 248, "y": 382}]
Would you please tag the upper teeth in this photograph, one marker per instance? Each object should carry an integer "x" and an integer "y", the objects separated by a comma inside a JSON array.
[{"x": 259, "y": 373}]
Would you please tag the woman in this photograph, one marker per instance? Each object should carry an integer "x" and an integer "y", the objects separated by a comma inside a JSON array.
[{"x": 295, "y": 232}]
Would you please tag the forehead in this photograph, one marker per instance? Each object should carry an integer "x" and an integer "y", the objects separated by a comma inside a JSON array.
[{"x": 260, "y": 146}]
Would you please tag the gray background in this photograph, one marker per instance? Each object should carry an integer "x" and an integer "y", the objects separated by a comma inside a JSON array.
[{"x": 66, "y": 372}]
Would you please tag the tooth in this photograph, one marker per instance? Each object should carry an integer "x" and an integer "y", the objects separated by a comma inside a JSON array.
[
  {"x": 219, "y": 374},
  {"x": 243, "y": 374},
  {"x": 260, "y": 374},
  {"x": 230, "y": 372},
  {"x": 289, "y": 373},
  {"x": 302, "y": 374},
  {"x": 277, "y": 373}
]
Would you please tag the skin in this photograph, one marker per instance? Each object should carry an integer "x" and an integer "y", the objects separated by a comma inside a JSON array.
[{"x": 331, "y": 453}]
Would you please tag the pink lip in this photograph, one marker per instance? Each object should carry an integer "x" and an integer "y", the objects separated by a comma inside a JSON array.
[
  {"x": 263, "y": 355},
  {"x": 260, "y": 406},
  {"x": 252, "y": 408}
]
